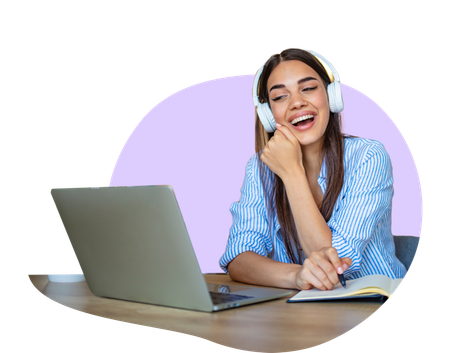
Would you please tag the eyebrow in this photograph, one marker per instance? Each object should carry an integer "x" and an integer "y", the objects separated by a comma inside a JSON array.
[{"x": 298, "y": 82}]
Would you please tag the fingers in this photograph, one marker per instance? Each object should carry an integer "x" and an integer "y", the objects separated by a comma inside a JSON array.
[
  {"x": 322, "y": 272},
  {"x": 308, "y": 280},
  {"x": 286, "y": 132},
  {"x": 347, "y": 262},
  {"x": 282, "y": 155},
  {"x": 322, "y": 267},
  {"x": 278, "y": 138}
]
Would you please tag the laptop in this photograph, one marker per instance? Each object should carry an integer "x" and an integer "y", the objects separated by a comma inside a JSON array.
[{"x": 132, "y": 244}]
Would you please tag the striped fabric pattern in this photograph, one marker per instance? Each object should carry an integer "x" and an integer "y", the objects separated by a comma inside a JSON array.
[{"x": 360, "y": 223}]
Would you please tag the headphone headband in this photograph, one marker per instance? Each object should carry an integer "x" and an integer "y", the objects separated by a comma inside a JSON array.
[
  {"x": 332, "y": 74},
  {"x": 330, "y": 70}
]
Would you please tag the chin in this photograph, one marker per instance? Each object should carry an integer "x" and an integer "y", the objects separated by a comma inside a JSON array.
[{"x": 309, "y": 140}]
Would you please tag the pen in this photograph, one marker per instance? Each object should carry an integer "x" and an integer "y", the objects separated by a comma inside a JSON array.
[{"x": 342, "y": 280}]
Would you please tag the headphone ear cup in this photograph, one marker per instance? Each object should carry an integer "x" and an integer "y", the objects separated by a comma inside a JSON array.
[
  {"x": 335, "y": 97},
  {"x": 266, "y": 117}
]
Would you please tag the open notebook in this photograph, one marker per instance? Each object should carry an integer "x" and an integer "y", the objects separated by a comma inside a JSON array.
[{"x": 364, "y": 287}]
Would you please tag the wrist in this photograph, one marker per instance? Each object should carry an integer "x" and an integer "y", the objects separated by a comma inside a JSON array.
[
  {"x": 293, "y": 174},
  {"x": 292, "y": 277}
]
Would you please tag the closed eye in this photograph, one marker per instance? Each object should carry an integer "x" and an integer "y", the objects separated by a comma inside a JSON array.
[
  {"x": 277, "y": 98},
  {"x": 310, "y": 88}
]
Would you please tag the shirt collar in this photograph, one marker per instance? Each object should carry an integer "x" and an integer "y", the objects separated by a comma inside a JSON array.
[{"x": 323, "y": 170}]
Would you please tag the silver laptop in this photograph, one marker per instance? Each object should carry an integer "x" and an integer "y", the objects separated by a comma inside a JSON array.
[{"x": 132, "y": 244}]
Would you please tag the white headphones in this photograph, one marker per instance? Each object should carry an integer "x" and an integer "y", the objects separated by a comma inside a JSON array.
[{"x": 335, "y": 97}]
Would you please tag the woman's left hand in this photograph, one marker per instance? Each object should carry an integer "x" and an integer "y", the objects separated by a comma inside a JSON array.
[{"x": 282, "y": 154}]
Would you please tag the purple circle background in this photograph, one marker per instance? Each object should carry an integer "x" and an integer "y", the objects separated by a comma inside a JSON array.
[{"x": 200, "y": 139}]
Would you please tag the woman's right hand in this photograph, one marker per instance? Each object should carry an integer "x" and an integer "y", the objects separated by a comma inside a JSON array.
[
  {"x": 320, "y": 270},
  {"x": 283, "y": 154}
]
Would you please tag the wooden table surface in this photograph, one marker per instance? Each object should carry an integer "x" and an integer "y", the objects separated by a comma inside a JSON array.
[{"x": 273, "y": 326}]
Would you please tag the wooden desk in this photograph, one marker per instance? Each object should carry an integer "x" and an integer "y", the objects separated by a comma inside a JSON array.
[{"x": 273, "y": 326}]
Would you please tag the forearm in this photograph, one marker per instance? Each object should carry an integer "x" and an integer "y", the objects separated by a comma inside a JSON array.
[
  {"x": 250, "y": 267},
  {"x": 314, "y": 234}
]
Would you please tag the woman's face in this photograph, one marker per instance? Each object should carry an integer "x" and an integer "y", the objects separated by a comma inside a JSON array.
[{"x": 299, "y": 100}]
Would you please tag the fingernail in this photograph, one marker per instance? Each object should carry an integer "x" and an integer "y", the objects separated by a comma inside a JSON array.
[
  {"x": 278, "y": 125},
  {"x": 345, "y": 267},
  {"x": 339, "y": 270}
]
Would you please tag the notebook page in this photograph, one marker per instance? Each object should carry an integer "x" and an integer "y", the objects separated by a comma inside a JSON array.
[{"x": 351, "y": 287}]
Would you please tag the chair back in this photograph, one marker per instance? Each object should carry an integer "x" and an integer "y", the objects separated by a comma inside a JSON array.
[{"x": 405, "y": 248}]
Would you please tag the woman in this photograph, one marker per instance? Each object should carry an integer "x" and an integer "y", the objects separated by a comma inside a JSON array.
[{"x": 314, "y": 203}]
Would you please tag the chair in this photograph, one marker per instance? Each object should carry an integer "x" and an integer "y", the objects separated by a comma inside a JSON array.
[{"x": 405, "y": 248}]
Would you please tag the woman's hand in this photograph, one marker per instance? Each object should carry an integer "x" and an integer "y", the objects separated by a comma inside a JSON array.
[
  {"x": 282, "y": 154},
  {"x": 320, "y": 270}
]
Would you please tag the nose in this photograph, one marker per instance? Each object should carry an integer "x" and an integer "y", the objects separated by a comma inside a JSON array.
[{"x": 297, "y": 101}]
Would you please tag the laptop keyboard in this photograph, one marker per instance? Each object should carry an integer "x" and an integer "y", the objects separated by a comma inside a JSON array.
[{"x": 220, "y": 298}]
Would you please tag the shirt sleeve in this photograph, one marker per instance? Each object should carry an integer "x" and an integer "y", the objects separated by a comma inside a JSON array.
[
  {"x": 365, "y": 201},
  {"x": 250, "y": 229}
]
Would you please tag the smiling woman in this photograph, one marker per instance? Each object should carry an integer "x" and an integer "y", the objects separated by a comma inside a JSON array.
[{"x": 314, "y": 203}]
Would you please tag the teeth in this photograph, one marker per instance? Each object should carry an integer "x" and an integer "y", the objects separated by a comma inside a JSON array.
[{"x": 305, "y": 117}]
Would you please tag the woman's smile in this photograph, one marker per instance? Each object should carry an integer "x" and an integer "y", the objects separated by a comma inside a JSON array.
[{"x": 303, "y": 120}]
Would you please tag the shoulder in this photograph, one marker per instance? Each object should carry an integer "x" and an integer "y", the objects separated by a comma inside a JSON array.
[
  {"x": 253, "y": 162},
  {"x": 255, "y": 168},
  {"x": 252, "y": 166},
  {"x": 362, "y": 146},
  {"x": 359, "y": 151},
  {"x": 366, "y": 161}
]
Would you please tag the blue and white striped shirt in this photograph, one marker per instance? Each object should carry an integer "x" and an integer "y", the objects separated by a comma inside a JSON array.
[{"x": 360, "y": 223}]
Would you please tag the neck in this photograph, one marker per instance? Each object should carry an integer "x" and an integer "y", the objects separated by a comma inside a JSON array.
[{"x": 312, "y": 158}]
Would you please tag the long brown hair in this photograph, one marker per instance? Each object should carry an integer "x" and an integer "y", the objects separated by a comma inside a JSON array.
[{"x": 276, "y": 198}]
